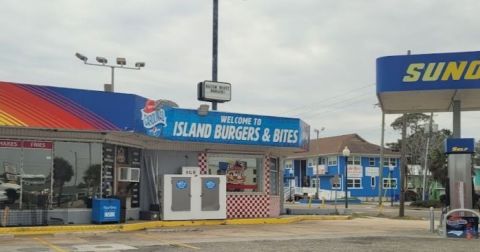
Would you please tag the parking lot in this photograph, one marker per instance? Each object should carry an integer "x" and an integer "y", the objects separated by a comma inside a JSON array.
[{"x": 359, "y": 234}]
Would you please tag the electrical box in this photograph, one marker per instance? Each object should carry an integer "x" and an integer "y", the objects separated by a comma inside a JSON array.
[{"x": 194, "y": 197}]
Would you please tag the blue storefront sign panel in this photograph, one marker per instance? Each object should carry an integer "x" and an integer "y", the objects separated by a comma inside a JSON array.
[
  {"x": 224, "y": 128},
  {"x": 459, "y": 145}
]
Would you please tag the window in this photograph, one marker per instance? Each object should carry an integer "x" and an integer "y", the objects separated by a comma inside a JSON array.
[
  {"x": 322, "y": 160},
  {"x": 354, "y": 183},
  {"x": 274, "y": 186},
  {"x": 371, "y": 161},
  {"x": 337, "y": 185},
  {"x": 372, "y": 182},
  {"x": 390, "y": 183},
  {"x": 243, "y": 172},
  {"x": 389, "y": 162},
  {"x": 354, "y": 160},
  {"x": 332, "y": 160},
  {"x": 288, "y": 164},
  {"x": 313, "y": 182}
]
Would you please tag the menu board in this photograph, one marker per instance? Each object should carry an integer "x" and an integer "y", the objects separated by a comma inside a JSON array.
[
  {"x": 135, "y": 163},
  {"x": 107, "y": 170}
]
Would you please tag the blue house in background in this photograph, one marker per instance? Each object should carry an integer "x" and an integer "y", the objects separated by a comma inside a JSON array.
[{"x": 325, "y": 158}]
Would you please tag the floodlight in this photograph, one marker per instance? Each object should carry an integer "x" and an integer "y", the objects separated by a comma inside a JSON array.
[
  {"x": 140, "y": 64},
  {"x": 101, "y": 60},
  {"x": 121, "y": 61},
  {"x": 81, "y": 57}
]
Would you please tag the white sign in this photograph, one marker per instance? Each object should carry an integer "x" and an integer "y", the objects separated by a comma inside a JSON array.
[
  {"x": 320, "y": 169},
  {"x": 355, "y": 171},
  {"x": 215, "y": 91},
  {"x": 371, "y": 171},
  {"x": 190, "y": 170}
]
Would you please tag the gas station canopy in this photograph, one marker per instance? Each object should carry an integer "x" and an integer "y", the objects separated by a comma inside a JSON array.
[{"x": 428, "y": 82}]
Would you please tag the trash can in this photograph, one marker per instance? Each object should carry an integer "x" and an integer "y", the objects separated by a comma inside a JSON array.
[{"x": 105, "y": 210}]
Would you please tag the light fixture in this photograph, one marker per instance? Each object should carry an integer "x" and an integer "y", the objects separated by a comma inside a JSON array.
[
  {"x": 102, "y": 60},
  {"x": 121, "y": 61},
  {"x": 346, "y": 151},
  {"x": 140, "y": 64},
  {"x": 203, "y": 110},
  {"x": 81, "y": 57}
]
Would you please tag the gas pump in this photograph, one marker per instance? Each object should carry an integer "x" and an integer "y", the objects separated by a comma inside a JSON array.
[{"x": 459, "y": 152}]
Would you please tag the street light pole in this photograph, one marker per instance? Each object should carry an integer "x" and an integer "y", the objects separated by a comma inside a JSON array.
[
  {"x": 391, "y": 187},
  {"x": 317, "y": 185},
  {"x": 121, "y": 62},
  {"x": 346, "y": 153}
]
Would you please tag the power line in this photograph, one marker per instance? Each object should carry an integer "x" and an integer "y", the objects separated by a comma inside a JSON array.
[
  {"x": 353, "y": 100},
  {"x": 325, "y": 100}
]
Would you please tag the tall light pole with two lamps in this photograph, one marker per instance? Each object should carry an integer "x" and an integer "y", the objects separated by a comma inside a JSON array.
[
  {"x": 346, "y": 153},
  {"x": 121, "y": 63}
]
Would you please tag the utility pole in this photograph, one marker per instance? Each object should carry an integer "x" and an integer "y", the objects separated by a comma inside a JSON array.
[
  {"x": 215, "y": 47},
  {"x": 403, "y": 166}
]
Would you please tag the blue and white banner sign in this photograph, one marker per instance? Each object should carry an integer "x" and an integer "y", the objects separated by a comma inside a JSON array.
[
  {"x": 225, "y": 128},
  {"x": 428, "y": 72}
]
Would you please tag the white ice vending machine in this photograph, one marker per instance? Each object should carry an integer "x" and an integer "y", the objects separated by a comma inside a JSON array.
[{"x": 194, "y": 197}]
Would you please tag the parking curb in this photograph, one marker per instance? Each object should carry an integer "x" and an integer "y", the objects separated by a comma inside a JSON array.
[{"x": 43, "y": 230}]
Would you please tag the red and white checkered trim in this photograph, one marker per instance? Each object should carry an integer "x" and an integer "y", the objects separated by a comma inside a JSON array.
[
  {"x": 266, "y": 173},
  {"x": 248, "y": 206},
  {"x": 202, "y": 162},
  {"x": 274, "y": 206}
]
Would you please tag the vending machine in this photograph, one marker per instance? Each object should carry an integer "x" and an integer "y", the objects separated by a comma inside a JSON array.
[{"x": 192, "y": 196}]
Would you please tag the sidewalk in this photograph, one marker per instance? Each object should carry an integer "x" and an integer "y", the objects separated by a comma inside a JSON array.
[{"x": 159, "y": 224}]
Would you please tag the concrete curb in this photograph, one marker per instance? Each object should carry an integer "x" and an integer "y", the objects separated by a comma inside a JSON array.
[{"x": 42, "y": 230}]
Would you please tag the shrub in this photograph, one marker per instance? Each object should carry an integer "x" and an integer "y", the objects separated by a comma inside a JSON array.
[{"x": 427, "y": 203}]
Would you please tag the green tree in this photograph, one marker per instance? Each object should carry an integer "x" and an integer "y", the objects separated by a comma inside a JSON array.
[
  {"x": 416, "y": 143},
  {"x": 92, "y": 177},
  {"x": 62, "y": 173}
]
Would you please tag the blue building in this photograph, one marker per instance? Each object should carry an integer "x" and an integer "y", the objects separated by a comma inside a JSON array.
[{"x": 324, "y": 161}]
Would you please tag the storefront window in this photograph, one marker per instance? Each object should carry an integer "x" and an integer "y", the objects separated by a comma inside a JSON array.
[
  {"x": 25, "y": 179},
  {"x": 243, "y": 172},
  {"x": 274, "y": 176},
  {"x": 77, "y": 174}
]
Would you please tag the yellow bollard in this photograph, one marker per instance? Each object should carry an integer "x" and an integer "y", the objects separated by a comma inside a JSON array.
[
  {"x": 323, "y": 202},
  {"x": 309, "y": 202},
  {"x": 380, "y": 209}
]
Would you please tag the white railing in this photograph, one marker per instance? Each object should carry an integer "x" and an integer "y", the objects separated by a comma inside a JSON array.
[{"x": 310, "y": 191}]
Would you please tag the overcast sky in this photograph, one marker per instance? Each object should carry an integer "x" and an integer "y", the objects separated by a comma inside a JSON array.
[{"x": 310, "y": 59}]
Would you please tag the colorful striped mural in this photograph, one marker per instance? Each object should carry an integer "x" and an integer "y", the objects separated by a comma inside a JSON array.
[{"x": 43, "y": 107}]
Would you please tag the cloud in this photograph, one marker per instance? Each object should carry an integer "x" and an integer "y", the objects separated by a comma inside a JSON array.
[{"x": 278, "y": 54}]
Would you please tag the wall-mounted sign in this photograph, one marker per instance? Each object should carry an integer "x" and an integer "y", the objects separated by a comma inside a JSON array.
[
  {"x": 355, "y": 171},
  {"x": 227, "y": 128},
  {"x": 214, "y": 91},
  {"x": 371, "y": 171},
  {"x": 319, "y": 169},
  {"x": 7, "y": 143}
]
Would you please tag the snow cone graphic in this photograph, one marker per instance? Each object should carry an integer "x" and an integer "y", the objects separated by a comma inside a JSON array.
[{"x": 153, "y": 117}]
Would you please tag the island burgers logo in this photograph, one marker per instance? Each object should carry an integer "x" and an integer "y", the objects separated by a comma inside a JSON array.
[{"x": 153, "y": 117}]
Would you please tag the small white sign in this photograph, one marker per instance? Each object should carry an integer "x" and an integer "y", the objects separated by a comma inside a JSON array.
[
  {"x": 216, "y": 91},
  {"x": 371, "y": 171},
  {"x": 320, "y": 170},
  {"x": 355, "y": 171},
  {"x": 190, "y": 170},
  {"x": 109, "y": 214}
]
